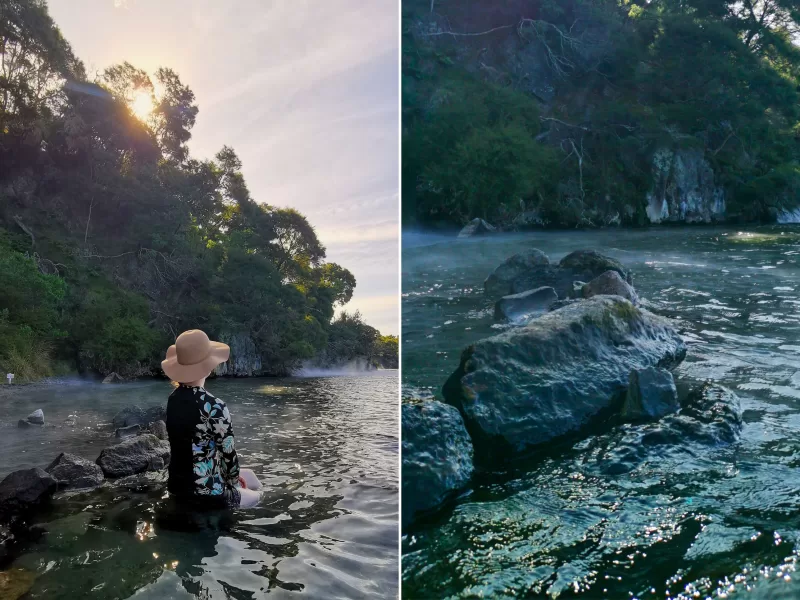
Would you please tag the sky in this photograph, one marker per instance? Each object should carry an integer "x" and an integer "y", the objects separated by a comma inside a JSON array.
[{"x": 305, "y": 91}]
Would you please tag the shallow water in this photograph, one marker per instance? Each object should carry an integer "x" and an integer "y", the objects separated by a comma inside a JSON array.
[
  {"x": 325, "y": 449},
  {"x": 690, "y": 520}
]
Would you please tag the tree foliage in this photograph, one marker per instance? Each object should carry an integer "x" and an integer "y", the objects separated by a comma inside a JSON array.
[
  {"x": 559, "y": 107},
  {"x": 134, "y": 239}
]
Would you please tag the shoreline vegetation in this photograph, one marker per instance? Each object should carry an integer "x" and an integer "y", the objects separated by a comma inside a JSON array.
[
  {"x": 596, "y": 113},
  {"x": 114, "y": 239}
]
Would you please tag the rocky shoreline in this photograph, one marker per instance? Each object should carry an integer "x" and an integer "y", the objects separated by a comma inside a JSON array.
[
  {"x": 143, "y": 448},
  {"x": 580, "y": 350}
]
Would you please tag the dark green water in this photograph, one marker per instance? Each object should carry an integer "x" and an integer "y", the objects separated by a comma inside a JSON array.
[
  {"x": 690, "y": 520},
  {"x": 324, "y": 447}
]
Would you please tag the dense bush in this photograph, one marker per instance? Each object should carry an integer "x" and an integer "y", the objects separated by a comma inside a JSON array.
[
  {"x": 559, "y": 107},
  {"x": 139, "y": 239}
]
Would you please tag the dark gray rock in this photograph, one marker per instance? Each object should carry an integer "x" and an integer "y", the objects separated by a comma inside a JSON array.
[
  {"x": 515, "y": 306},
  {"x": 499, "y": 282},
  {"x": 158, "y": 429},
  {"x": 156, "y": 463},
  {"x": 134, "y": 415},
  {"x": 133, "y": 455},
  {"x": 72, "y": 472},
  {"x": 476, "y": 227},
  {"x": 710, "y": 417},
  {"x": 591, "y": 263},
  {"x": 562, "y": 303},
  {"x": 25, "y": 489},
  {"x": 36, "y": 417},
  {"x": 530, "y": 384},
  {"x": 583, "y": 265},
  {"x": 577, "y": 289},
  {"x": 437, "y": 455},
  {"x": 123, "y": 432},
  {"x": 651, "y": 394},
  {"x": 610, "y": 284}
]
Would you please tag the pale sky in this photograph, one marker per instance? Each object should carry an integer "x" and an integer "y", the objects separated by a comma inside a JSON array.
[{"x": 305, "y": 91}]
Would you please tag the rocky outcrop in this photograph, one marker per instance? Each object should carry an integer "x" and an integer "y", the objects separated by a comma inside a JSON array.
[
  {"x": 135, "y": 415},
  {"x": 437, "y": 455},
  {"x": 134, "y": 455},
  {"x": 476, "y": 227},
  {"x": 72, "y": 472},
  {"x": 610, "y": 284},
  {"x": 532, "y": 269},
  {"x": 244, "y": 360},
  {"x": 684, "y": 189},
  {"x": 500, "y": 281},
  {"x": 531, "y": 384},
  {"x": 515, "y": 306},
  {"x": 158, "y": 429},
  {"x": 113, "y": 378},
  {"x": 25, "y": 489},
  {"x": 651, "y": 394}
]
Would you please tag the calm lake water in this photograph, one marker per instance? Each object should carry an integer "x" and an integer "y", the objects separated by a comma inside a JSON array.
[
  {"x": 326, "y": 449},
  {"x": 690, "y": 521}
]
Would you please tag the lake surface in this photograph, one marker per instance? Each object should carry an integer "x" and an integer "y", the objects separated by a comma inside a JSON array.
[
  {"x": 689, "y": 521},
  {"x": 326, "y": 449}
]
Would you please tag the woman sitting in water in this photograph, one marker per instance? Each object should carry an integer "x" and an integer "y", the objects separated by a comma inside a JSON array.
[{"x": 204, "y": 469}]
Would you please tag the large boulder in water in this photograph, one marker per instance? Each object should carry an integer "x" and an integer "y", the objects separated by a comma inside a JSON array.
[
  {"x": 135, "y": 415},
  {"x": 499, "y": 282},
  {"x": 529, "y": 271},
  {"x": 476, "y": 227},
  {"x": 592, "y": 264},
  {"x": 610, "y": 283},
  {"x": 72, "y": 471},
  {"x": 515, "y": 306},
  {"x": 25, "y": 489},
  {"x": 437, "y": 455},
  {"x": 651, "y": 394},
  {"x": 36, "y": 417},
  {"x": 531, "y": 384},
  {"x": 134, "y": 455}
]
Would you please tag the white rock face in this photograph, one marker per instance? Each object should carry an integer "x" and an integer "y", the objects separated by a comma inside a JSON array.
[
  {"x": 789, "y": 216},
  {"x": 684, "y": 189}
]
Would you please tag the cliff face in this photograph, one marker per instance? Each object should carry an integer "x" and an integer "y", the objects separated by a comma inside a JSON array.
[
  {"x": 684, "y": 189},
  {"x": 591, "y": 113},
  {"x": 244, "y": 361}
]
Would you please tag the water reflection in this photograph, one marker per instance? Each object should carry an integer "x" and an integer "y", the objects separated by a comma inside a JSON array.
[{"x": 326, "y": 450}]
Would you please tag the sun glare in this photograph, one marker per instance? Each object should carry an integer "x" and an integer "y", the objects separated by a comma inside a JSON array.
[{"x": 142, "y": 105}]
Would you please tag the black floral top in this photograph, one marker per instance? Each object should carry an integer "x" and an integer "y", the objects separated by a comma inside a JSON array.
[{"x": 204, "y": 460}]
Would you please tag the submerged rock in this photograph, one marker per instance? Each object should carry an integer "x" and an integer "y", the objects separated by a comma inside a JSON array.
[
  {"x": 710, "y": 416},
  {"x": 517, "y": 305},
  {"x": 437, "y": 455},
  {"x": 72, "y": 472},
  {"x": 135, "y": 415},
  {"x": 36, "y": 417},
  {"x": 610, "y": 283},
  {"x": 123, "y": 432},
  {"x": 25, "y": 489},
  {"x": 499, "y": 282},
  {"x": 651, "y": 394},
  {"x": 530, "y": 384},
  {"x": 476, "y": 227},
  {"x": 133, "y": 455}
]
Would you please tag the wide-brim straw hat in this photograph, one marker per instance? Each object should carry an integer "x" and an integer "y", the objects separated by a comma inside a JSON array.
[{"x": 193, "y": 357}]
